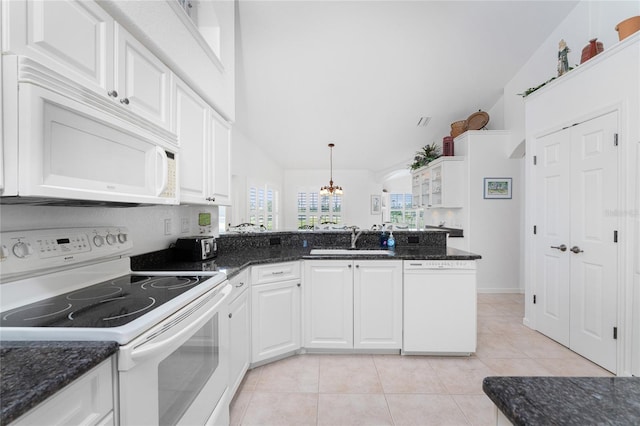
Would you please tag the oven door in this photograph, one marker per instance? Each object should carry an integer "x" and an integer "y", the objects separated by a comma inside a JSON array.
[{"x": 176, "y": 373}]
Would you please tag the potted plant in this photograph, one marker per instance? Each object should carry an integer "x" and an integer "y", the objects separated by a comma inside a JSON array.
[{"x": 427, "y": 154}]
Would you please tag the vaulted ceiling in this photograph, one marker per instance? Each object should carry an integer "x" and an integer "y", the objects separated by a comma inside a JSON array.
[{"x": 361, "y": 74}]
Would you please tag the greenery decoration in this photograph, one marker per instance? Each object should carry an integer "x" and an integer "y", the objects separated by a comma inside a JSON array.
[
  {"x": 427, "y": 154},
  {"x": 533, "y": 89}
]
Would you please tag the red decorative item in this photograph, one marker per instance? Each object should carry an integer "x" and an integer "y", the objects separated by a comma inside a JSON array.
[
  {"x": 592, "y": 49},
  {"x": 447, "y": 146}
]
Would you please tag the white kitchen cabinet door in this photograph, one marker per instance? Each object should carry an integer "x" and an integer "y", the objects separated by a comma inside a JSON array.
[
  {"x": 239, "y": 332},
  {"x": 275, "y": 318},
  {"x": 328, "y": 304},
  {"x": 377, "y": 308},
  {"x": 193, "y": 129},
  {"x": 143, "y": 82},
  {"x": 220, "y": 170},
  {"x": 86, "y": 401},
  {"x": 73, "y": 38},
  {"x": 447, "y": 190}
]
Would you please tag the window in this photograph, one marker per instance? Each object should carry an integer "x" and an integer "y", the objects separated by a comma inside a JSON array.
[
  {"x": 315, "y": 209},
  {"x": 400, "y": 210},
  {"x": 263, "y": 206}
]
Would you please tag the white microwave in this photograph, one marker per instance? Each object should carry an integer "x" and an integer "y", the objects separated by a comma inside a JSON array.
[{"x": 64, "y": 144}]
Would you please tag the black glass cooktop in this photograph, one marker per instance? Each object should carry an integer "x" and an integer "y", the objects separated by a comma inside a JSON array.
[{"x": 108, "y": 304}]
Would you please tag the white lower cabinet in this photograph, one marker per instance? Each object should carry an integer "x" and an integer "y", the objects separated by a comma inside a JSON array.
[
  {"x": 87, "y": 401},
  {"x": 353, "y": 304},
  {"x": 328, "y": 304},
  {"x": 275, "y": 310},
  {"x": 239, "y": 330}
]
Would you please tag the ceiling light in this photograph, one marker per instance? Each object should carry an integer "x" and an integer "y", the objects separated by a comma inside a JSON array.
[
  {"x": 423, "y": 121},
  {"x": 330, "y": 189}
]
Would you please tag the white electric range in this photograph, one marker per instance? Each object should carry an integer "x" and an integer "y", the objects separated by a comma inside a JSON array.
[{"x": 76, "y": 284}]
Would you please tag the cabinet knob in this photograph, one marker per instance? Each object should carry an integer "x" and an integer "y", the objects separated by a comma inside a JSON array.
[
  {"x": 112, "y": 93},
  {"x": 230, "y": 314},
  {"x": 349, "y": 266},
  {"x": 124, "y": 101},
  {"x": 299, "y": 285},
  {"x": 357, "y": 266}
]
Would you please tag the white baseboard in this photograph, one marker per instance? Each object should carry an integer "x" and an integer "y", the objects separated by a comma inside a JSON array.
[{"x": 501, "y": 290}]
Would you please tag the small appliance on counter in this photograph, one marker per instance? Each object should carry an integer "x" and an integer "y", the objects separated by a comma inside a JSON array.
[{"x": 196, "y": 248}]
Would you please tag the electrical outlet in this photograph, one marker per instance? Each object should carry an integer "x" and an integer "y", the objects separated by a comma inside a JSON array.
[
  {"x": 167, "y": 227},
  {"x": 184, "y": 225}
]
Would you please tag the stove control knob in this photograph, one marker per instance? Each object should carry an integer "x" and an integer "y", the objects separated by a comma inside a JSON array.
[
  {"x": 22, "y": 250},
  {"x": 98, "y": 240},
  {"x": 4, "y": 252},
  {"x": 111, "y": 239},
  {"x": 122, "y": 238}
]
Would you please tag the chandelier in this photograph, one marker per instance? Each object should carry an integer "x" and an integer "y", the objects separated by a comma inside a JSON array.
[{"x": 330, "y": 189}]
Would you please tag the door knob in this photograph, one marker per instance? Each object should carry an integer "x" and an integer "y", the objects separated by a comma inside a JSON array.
[
  {"x": 576, "y": 249},
  {"x": 561, "y": 247},
  {"x": 124, "y": 101}
]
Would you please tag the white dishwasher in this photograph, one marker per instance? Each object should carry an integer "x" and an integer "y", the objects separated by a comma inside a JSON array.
[{"x": 439, "y": 307}]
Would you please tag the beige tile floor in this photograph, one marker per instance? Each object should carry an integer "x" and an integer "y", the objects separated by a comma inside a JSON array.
[{"x": 405, "y": 390}]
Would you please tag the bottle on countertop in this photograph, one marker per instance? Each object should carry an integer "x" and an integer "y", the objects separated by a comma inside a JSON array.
[
  {"x": 391, "y": 241},
  {"x": 383, "y": 239}
]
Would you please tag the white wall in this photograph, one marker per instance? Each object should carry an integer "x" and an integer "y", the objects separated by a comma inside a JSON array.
[
  {"x": 250, "y": 163},
  {"x": 358, "y": 187},
  {"x": 145, "y": 224},
  {"x": 589, "y": 19}
]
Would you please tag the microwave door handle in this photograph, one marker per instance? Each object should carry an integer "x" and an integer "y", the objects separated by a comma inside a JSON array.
[
  {"x": 148, "y": 351},
  {"x": 164, "y": 164}
]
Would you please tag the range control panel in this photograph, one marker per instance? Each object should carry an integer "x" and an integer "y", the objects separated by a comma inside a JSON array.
[{"x": 36, "y": 250}]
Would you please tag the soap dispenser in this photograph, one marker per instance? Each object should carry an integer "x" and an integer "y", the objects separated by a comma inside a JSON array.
[{"x": 391, "y": 241}]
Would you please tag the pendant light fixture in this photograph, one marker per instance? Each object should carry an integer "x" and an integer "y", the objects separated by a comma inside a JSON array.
[{"x": 330, "y": 189}]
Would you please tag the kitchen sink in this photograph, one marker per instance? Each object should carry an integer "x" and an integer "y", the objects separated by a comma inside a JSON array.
[{"x": 349, "y": 252}]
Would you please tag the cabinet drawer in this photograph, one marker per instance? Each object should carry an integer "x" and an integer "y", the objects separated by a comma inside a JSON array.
[
  {"x": 87, "y": 401},
  {"x": 239, "y": 283},
  {"x": 263, "y": 274}
]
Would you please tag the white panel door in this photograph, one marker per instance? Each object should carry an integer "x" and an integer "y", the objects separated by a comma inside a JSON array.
[
  {"x": 74, "y": 38},
  {"x": 143, "y": 82},
  {"x": 275, "y": 319},
  {"x": 377, "y": 308},
  {"x": 239, "y": 338},
  {"x": 552, "y": 273},
  {"x": 594, "y": 254},
  {"x": 193, "y": 129},
  {"x": 328, "y": 304},
  {"x": 220, "y": 171}
]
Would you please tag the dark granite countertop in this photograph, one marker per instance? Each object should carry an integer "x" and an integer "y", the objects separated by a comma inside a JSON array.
[
  {"x": 232, "y": 262},
  {"x": 566, "y": 400},
  {"x": 30, "y": 372}
]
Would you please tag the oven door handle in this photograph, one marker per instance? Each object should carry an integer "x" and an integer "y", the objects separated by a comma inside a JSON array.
[{"x": 147, "y": 351}]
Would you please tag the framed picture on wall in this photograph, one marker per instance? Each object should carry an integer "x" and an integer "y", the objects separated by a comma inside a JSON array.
[
  {"x": 497, "y": 188},
  {"x": 376, "y": 204}
]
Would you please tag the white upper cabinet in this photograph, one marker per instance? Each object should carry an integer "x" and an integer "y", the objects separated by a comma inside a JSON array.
[
  {"x": 220, "y": 172},
  {"x": 83, "y": 44},
  {"x": 191, "y": 123},
  {"x": 440, "y": 184},
  {"x": 205, "y": 138},
  {"x": 143, "y": 82},
  {"x": 74, "y": 38}
]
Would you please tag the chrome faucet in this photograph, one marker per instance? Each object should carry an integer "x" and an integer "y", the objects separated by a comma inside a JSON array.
[{"x": 354, "y": 236}]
